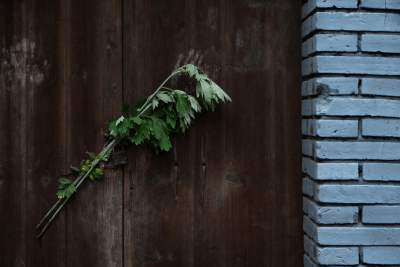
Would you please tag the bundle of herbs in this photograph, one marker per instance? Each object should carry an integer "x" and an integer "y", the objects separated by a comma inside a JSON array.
[{"x": 151, "y": 120}]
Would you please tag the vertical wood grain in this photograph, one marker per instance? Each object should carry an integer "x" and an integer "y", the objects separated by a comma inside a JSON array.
[
  {"x": 13, "y": 132},
  {"x": 46, "y": 142},
  {"x": 94, "y": 215}
]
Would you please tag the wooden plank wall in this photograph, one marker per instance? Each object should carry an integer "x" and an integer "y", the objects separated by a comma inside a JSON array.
[{"x": 229, "y": 191}]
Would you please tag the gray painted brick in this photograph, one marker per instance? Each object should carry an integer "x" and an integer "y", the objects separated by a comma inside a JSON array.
[
  {"x": 330, "y": 214},
  {"x": 381, "y": 171},
  {"x": 381, "y": 4},
  {"x": 352, "y": 150},
  {"x": 308, "y": 262},
  {"x": 330, "y": 171},
  {"x": 381, "y": 255},
  {"x": 351, "y": 65},
  {"x": 381, "y": 127},
  {"x": 381, "y": 214},
  {"x": 332, "y": 128},
  {"x": 386, "y": 87},
  {"x": 330, "y": 43},
  {"x": 339, "y": 106},
  {"x": 380, "y": 43},
  {"x": 313, "y": 4},
  {"x": 357, "y": 21},
  {"x": 306, "y": 108},
  {"x": 354, "y": 194},
  {"x": 308, "y": 187},
  {"x": 331, "y": 255},
  {"x": 330, "y": 86},
  {"x": 351, "y": 236},
  {"x": 304, "y": 128},
  {"x": 308, "y": 146}
]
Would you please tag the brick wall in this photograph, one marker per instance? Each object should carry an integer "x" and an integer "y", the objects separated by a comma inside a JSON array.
[{"x": 351, "y": 127}]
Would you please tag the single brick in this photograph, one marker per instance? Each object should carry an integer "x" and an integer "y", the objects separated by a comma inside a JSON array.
[
  {"x": 381, "y": 214},
  {"x": 386, "y": 87},
  {"x": 330, "y": 86},
  {"x": 308, "y": 146},
  {"x": 352, "y": 150},
  {"x": 331, "y": 255},
  {"x": 330, "y": 43},
  {"x": 308, "y": 262},
  {"x": 304, "y": 88},
  {"x": 351, "y": 65},
  {"x": 357, "y": 21},
  {"x": 308, "y": 187},
  {"x": 381, "y": 4},
  {"x": 351, "y": 236},
  {"x": 381, "y": 171},
  {"x": 330, "y": 214},
  {"x": 330, "y": 171},
  {"x": 333, "y": 128},
  {"x": 339, "y": 106},
  {"x": 381, "y": 127},
  {"x": 354, "y": 194},
  {"x": 313, "y": 4},
  {"x": 306, "y": 107},
  {"x": 380, "y": 43},
  {"x": 304, "y": 128},
  {"x": 381, "y": 255}
]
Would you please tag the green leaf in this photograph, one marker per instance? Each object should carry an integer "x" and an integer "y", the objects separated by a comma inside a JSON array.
[
  {"x": 124, "y": 126},
  {"x": 154, "y": 103},
  {"x": 65, "y": 181},
  {"x": 165, "y": 143},
  {"x": 157, "y": 129},
  {"x": 194, "y": 104},
  {"x": 74, "y": 168},
  {"x": 158, "y": 113},
  {"x": 112, "y": 125},
  {"x": 143, "y": 131},
  {"x": 171, "y": 121},
  {"x": 219, "y": 92},
  {"x": 92, "y": 155},
  {"x": 125, "y": 109},
  {"x": 121, "y": 119},
  {"x": 165, "y": 97},
  {"x": 136, "y": 120}
]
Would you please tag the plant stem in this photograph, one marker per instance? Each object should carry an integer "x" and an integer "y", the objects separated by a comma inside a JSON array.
[
  {"x": 150, "y": 97},
  {"x": 77, "y": 182}
]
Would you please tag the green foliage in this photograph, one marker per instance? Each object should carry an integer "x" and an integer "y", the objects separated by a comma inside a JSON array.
[
  {"x": 151, "y": 121},
  {"x": 66, "y": 188},
  {"x": 166, "y": 111}
]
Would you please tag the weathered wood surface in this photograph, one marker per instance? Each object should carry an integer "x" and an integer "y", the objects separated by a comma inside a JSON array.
[{"x": 227, "y": 194}]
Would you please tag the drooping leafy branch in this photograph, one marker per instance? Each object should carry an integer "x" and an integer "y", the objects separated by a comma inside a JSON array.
[{"x": 151, "y": 120}]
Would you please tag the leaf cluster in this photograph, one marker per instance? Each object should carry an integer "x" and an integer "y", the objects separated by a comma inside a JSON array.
[{"x": 167, "y": 111}]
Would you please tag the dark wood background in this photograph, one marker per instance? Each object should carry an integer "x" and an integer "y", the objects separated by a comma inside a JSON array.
[{"x": 66, "y": 67}]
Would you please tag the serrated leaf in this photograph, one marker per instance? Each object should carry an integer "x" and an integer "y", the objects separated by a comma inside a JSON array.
[
  {"x": 165, "y": 143},
  {"x": 219, "y": 92},
  {"x": 65, "y": 181},
  {"x": 165, "y": 97},
  {"x": 125, "y": 109},
  {"x": 124, "y": 126},
  {"x": 158, "y": 113},
  {"x": 136, "y": 120},
  {"x": 121, "y": 119},
  {"x": 194, "y": 104},
  {"x": 112, "y": 125},
  {"x": 139, "y": 104},
  {"x": 74, "y": 168},
  {"x": 171, "y": 121},
  {"x": 154, "y": 103},
  {"x": 157, "y": 129},
  {"x": 142, "y": 132}
]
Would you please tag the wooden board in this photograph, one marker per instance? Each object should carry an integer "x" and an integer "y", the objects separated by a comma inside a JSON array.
[{"x": 227, "y": 194}]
